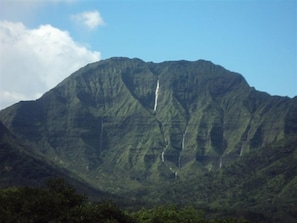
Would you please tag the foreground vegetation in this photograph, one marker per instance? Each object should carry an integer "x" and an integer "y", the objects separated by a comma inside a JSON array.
[{"x": 59, "y": 202}]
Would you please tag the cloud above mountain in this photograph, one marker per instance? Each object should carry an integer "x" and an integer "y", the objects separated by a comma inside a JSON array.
[
  {"x": 90, "y": 19},
  {"x": 35, "y": 60}
]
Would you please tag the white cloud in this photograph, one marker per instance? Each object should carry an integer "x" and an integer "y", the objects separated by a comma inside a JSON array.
[
  {"x": 91, "y": 19},
  {"x": 34, "y": 60}
]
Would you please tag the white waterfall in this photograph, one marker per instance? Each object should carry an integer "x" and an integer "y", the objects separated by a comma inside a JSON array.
[
  {"x": 244, "y": 145},
  {"x": 163, "y": 161},
  {"x": 241, "y": 150},
  {"x": 184, "y": 138},
  {"x": 183, "y": 147},
  {"x": 183, "y": 141},
  {"x": 221, "y": 162},
  {"x": 156, "y": 95},
  {"x": 174, "y": 172}
]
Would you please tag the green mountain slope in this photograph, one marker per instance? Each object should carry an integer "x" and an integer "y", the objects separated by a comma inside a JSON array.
[
  {"x": 127, "y": 126},
  {"x": 19, "y": 167},
  {"x": 260, "y": 186}
]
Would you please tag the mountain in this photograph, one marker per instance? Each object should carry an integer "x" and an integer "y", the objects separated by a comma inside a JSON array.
[
  {"x": 20, "y": 167},
  {"x": 128, "y": 127}
]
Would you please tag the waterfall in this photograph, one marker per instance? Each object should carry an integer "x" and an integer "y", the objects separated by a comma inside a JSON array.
[
  {"x": 244, "y": 145},
  {"x": 241, "y": 150},
  {"x": 183, "y": 146},
  {"x": 184, "y": 137},
  {"x": 179, "y": 161},
  {"x": 163, "y": 161},
  {"x": 170, "y": 168},
  {"x": 183, "y": 141},
  {"x": 156, "y": 95},
  {"x": 221, "y": 162}
]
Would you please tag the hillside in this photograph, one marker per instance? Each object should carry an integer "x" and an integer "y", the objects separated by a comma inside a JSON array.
[
  {"x": 19, "y": 167},
  {"x": 128, "y": 127}
]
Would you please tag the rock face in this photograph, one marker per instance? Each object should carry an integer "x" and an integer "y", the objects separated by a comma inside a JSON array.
[{"x": 123, "y": 123}]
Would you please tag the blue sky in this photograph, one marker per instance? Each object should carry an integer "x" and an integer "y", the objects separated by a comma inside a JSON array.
[{"x": 256, "y": 38}]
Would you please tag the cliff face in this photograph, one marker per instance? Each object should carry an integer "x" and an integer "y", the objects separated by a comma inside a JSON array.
[{"x": 123, "y": 123}]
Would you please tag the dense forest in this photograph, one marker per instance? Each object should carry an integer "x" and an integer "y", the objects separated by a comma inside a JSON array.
[{"x": 58, "y": 202}]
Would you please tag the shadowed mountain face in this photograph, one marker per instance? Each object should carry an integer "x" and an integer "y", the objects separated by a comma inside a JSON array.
[
  {"x": 121, "y": 124},
  {"x": 19, "y": 166}
]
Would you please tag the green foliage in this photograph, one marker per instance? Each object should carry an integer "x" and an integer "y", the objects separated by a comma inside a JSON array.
[
  {"x": 104, "y": 211},
  {"x": 173, "y": 214},
  {"x": 263, "y": 178},
  {"x": 169, "y": 214},
  {"x": 39, "y": 204},
  {"x": 57, "y": 202}
]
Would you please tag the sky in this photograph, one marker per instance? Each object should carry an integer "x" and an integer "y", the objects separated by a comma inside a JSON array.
[{"x": 43, "y": 41}]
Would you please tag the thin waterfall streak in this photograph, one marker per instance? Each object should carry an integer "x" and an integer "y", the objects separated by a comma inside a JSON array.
[
  {"x": 221, "y": 162},
  {"x": 241, "y": 150},
  {"x": 183, "y": 146},
  {"x": 183, "y": 142},
  {"x": 244, "y": 143},
  {"x": 156, "y": 95},
  {"x": 170, "y": 168},
  {"x": 184, "y": 138},
  {"x": 174, "y": 172}
]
